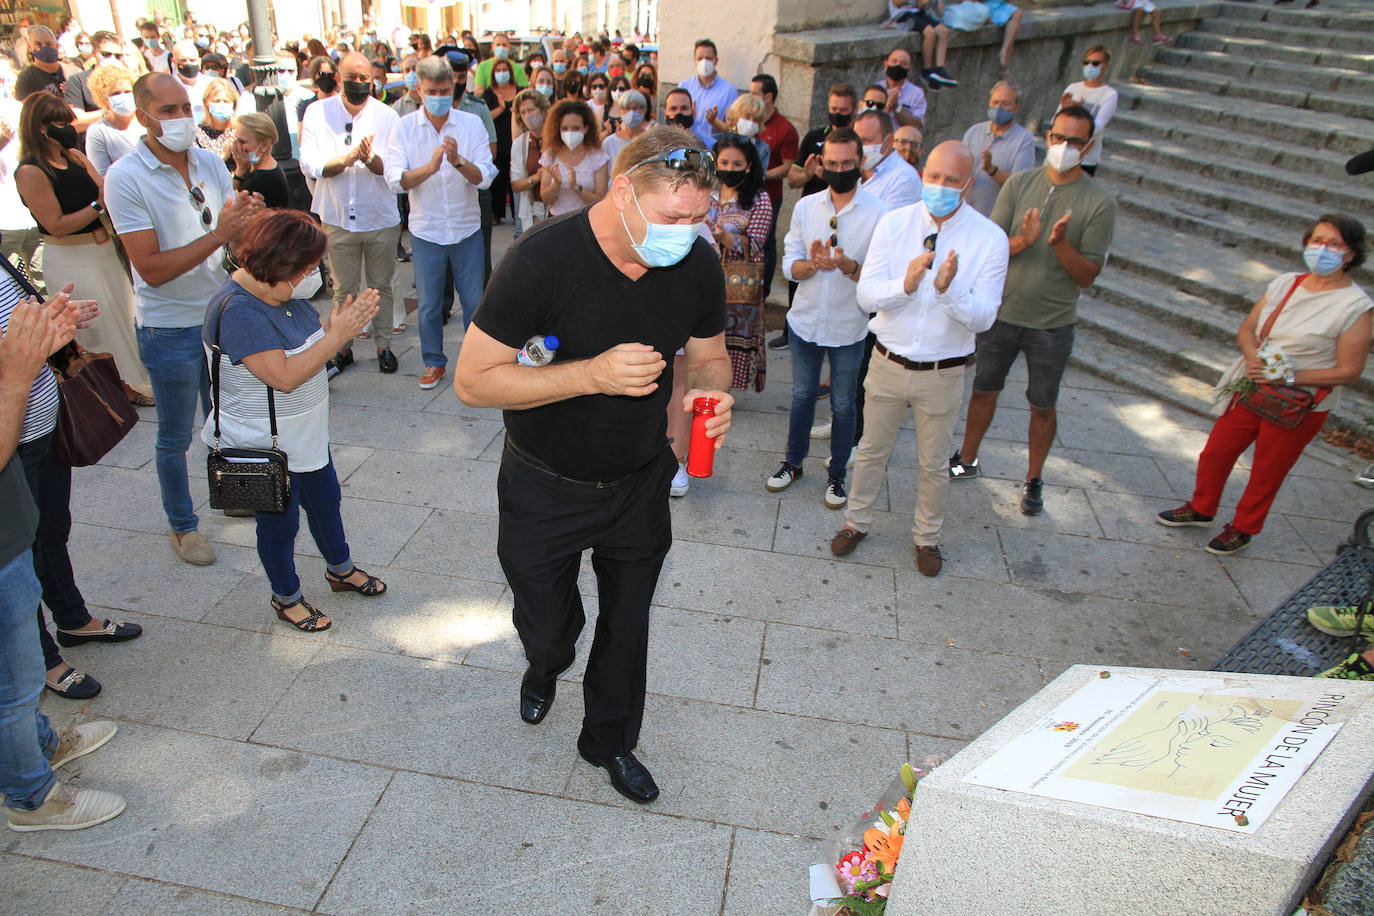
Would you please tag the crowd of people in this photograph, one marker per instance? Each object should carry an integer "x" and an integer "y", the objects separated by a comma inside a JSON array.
[{"x": 196, "y": 205}]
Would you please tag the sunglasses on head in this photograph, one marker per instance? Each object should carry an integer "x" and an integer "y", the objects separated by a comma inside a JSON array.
[{"x": 683, "y": 160}]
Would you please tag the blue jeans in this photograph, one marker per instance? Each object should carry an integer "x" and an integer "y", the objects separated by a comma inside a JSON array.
[
  {"x": 807, "y": 358},
  {"x": 318, "y": 491},
  {"x": 26, "y": 737},
  {"x": 176, "y": 367},
  {"x": 434, "y": 264}
]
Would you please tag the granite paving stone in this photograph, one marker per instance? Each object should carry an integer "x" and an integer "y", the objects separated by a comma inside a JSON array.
[
  {"x": 434, "y": 481},
  {"x": 766, "y": 871},
  {"x": 452, "y": 542},
  {"x": 35, "y": 886}
]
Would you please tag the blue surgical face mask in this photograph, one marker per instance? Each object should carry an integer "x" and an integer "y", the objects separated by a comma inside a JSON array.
[
  {"x": 941, "y": 201},
  {"x": 664, "y": 244},
  {"x": 1000, "y": 116},
  {"x": 1322, "y": 261},
  {"x": 1091, "y": 72},
  {"x": 633, "y": 118},
  {"x": 411, "y": 80},
  {"x": 438, "y": 105},
  {"x": 546, "y": 89},
  {"x": 559, "y": 67},
  {"x": 221, "y": 111},
  {"x": 254, "y": 157}
]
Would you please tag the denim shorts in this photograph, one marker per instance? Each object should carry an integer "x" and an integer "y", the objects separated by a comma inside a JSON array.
[{"x": 1047, "y": 355}]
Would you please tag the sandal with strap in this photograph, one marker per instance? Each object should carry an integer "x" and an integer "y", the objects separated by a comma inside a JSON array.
[
  {"x": 372, "y": 588},
  {"x": 309, "y": 624}
]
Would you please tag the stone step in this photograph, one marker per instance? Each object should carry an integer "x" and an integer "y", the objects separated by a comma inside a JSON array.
[
  {"x": 1308, "y": 76},
  {"x": 1357, "y": 104},
  {"x": 1359, "y": 40},
  {"x": 1272, "y": 154},
  {"x": 1316, "y": 130},
  {"x": 1357, "y": 18},
  {"x": 1210, "y": 161},
  {"x": 1255, "y": 49},
  {"x": 1199, "y": 222}
]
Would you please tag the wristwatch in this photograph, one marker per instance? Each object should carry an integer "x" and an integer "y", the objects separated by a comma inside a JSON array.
[
  {"x": 460, "y": 163},
  {"x": 98, "y": 207}
]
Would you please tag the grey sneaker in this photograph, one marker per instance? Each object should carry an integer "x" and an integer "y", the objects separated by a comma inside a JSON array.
[
  {"x": 67, "y": 808},
  {"x": 1033, "y": 496},
  {"x": 960, "y": 469},
  {"x": 79, "y": 740}
]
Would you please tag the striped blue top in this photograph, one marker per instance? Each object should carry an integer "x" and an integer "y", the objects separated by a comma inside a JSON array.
[{"x": 40, "y": 416}]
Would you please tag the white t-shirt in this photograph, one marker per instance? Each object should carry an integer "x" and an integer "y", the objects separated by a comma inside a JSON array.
[{"x": 1101, "y": 101}]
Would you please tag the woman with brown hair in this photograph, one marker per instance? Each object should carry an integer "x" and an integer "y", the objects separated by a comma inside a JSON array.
[
  {"x": 500, "y": 99},
  {"x": 576, "y": 169},
  {"x": 269, "y": 340},
  {"x": 62, "y": 189}
]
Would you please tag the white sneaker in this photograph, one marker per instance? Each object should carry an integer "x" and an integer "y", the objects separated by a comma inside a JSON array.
[
  {"x": 680, "y": 482},
  {"x": 1366, "y": 477},
  {"x": 79, "y": 740},
  {"x": 821, "y": 430},
  {"x": 835, "y": 497},
  {"x": 67, "y": 808}
]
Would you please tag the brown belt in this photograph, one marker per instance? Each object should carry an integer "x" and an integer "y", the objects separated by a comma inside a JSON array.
[
  {"x": 920, "y": 367},
  {"x": 94, "y": 237}
]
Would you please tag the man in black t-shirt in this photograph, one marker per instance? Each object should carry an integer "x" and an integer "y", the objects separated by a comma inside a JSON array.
[{"x": 623, "y": 284}]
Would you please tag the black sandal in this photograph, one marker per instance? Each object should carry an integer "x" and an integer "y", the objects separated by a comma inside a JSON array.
[
  {"x": 309, "y": 624},
  {"x": 372, "y": 588}
]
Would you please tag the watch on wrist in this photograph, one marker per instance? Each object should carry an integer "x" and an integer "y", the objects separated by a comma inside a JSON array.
[{"x": 98, "y": 207}]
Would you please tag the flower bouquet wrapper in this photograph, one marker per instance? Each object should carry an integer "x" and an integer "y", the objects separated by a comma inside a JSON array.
[{"x": 867, "y": 848}]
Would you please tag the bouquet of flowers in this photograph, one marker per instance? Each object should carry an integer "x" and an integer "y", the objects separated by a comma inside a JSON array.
[
  {"x": 1276, "y": 367},
  {"x": 866, "y": 852}
]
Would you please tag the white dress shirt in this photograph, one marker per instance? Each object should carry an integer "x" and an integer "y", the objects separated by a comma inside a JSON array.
[
  {"x": 911, "y": 99},
  {"x": 443, "y": 207},
  {"x": 895, "y": 182},
  {"x": 826, "y": 310},
  {"x": 928, "y": 325},
  {"x": 355, "y": 199}
]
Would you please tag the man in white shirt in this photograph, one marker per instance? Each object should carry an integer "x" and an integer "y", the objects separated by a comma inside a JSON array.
[
  {"x": 711, "y": 93},
  {"x": 186, "y": 68},
  {"x": 929, "y": 307},
  {"x": 343, "y": 142},
  {"x": 824, "y": 253},
  {"x": 906, "y": 103},
  {"x": 175, "y": 209},
  {"x": 440, "y": 157},
  {"x": 885, "y": 175}
]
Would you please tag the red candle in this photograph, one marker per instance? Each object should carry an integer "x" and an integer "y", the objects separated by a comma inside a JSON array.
[{"x": 701, "y": 449}]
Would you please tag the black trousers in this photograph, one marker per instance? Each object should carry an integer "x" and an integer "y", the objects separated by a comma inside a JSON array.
[
  {"x": 51, "y": 485},
  {"x": 545, "y": 523}
]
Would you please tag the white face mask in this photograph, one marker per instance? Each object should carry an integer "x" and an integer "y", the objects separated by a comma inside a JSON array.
[
  {"x": 177, "y": 134},
  {"x": 310, "y": 285},
  {"x": 1062, "y": 158},
  {"x": 747, "y": 128},
  {"x": 873, "y": 154},
  {"x": 706, "y": 68},
  {"x": 572, "y": 139},
  {"x": 122, "y": 103},
  {"x": 599, "y": 94}
]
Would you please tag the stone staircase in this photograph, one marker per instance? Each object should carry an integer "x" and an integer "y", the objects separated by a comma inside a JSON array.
[{"x": 1233, "y": 140}]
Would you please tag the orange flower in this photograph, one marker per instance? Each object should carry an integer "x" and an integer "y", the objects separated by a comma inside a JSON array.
[
  {"x": 904, "y": 809},
  {"x": 884, "y": 847}
]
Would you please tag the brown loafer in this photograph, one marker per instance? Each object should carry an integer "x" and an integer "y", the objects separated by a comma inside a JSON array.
[
  {"x": 929, "y": 561},
  {"x": 844, "y": 542}
]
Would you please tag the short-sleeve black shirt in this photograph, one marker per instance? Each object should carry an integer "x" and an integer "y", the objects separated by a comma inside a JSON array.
[
  {"x": 811, "y": 145},
  {"x": 557, "y": 280}
]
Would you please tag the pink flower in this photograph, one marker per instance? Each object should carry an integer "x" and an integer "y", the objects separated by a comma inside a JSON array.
[{"x": 849, "y": 871}]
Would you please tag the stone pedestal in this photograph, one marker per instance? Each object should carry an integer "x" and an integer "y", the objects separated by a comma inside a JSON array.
[{"x": 977, "y": 850}]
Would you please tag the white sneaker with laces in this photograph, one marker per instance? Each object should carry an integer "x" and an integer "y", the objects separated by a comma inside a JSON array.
[
  {"x": 79, "y": 740},
  {"x": 67, "y": 808},
  {"x": 681, "y": 482}
]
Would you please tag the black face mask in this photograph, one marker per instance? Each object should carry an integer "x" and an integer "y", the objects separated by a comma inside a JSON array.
[
  {"x": 356, "y": 91},
  {"x": 190, "y": 71},
  {"x": 682, "y": 120},
  {"x": 326, "y": 82},
  {"x": 64, "y": 134},
  {"x": 841, "y": 182},
  {"x": 840, "y": 120},
  {"x": 732, "y": 178},
  {"x": 896, "y": 74}
]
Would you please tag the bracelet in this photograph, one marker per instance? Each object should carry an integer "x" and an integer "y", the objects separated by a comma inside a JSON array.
[{"x": 219, "y": 238}]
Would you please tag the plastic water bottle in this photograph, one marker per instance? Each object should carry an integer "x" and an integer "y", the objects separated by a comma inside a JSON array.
[{"x": 539, "y": 350}]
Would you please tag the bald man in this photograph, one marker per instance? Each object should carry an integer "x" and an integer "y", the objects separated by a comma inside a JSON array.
[
  {"x": 186, "y": 69},
  {"x": 929, "y": 306},
  {"x": 344, "y": 139},
  {"x": 174, "y": 207}
]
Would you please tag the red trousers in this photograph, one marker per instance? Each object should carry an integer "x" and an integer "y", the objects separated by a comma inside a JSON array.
[{"x": 1276, "y": 451}]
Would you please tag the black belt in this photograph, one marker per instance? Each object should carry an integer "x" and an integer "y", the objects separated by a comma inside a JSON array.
[
  {"x": 921, "y": 367},
  {"x": 526, "y": 458}
]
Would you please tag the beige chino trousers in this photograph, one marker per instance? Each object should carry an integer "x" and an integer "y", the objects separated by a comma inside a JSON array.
[{"x": 353, "y": 255}]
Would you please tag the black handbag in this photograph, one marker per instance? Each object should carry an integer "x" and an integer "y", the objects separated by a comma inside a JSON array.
[
  {"x": 256, "y": 479},
  {"x": 94, "y": 413}
]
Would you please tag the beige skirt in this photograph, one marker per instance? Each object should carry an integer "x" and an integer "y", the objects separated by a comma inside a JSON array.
[{"x": 99, "y": 275}]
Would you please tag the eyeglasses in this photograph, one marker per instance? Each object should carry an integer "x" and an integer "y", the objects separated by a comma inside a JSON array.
[
  {"x": 683, "y": 160},
  {"x": 872, "y": 105},
  {"x": 1075, "y": 142},
  {"x": 834, "y": 230},
  {"x": 198, "y": 200},
  {"x": 348, "y": 134},
  {"x": 929, "y": 245},
  {"x": 1095, "y": 63},
  {"x": 916, "y": 144}
]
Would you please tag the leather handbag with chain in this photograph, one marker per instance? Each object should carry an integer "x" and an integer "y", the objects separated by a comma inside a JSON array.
[
  {"x": 245, "y": 478},
  {"x": 94, "y": 413},
  {"x": 1286, "y": 406}
]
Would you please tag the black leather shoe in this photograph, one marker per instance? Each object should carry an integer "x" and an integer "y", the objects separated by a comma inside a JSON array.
[
  {"x": 629, "y": 777},
  {"x": 536, "y": 698},
  {"x": 386, "y": 361},
  {"x": 112, "y": 631}
]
